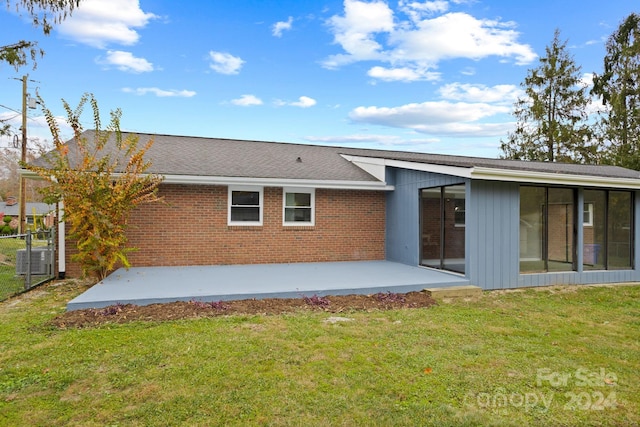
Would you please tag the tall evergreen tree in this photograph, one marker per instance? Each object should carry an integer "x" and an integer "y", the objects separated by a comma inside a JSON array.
[
  {"x": 552, "y": 117},
  {"x": 619, "y": 88}
]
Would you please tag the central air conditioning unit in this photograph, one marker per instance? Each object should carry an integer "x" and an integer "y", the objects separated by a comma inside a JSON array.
[{"x": 41, "y": 261}]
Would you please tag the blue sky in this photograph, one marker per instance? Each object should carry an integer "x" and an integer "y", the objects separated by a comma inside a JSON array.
[{"x": 431, "y": 76}]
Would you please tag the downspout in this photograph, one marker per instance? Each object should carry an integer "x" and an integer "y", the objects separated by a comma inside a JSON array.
[{"x": 62, "y": 266}]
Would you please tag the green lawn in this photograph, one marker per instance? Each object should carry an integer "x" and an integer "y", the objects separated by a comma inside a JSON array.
[
  {"x": 560, "y": 356},
  {"x": 10, "y": 284}
]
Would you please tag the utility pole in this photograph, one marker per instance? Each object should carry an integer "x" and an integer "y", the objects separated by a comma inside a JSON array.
[
  {"x": 22, "y": 216},
  {"x": 23, "y": 157}
]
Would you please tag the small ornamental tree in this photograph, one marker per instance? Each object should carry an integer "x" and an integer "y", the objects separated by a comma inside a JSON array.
[{"x": 100, "y": 176}]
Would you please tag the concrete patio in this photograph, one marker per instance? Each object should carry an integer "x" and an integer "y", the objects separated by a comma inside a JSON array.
[{"x": 150, "y": 285}]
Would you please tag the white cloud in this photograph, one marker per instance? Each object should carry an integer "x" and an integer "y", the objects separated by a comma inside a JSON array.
[
  {"x": 404, "y": 74},
  {"x": 436, "y": 117},
  {"x": 38, "y": 129},
  {"x": 101, "y": 22},
  {"x": 356, "y": 30},
  {"x": 371, "y": 31},
  {"x": 417, "y": 10},
  {"x": 481, "y": 93},
  {"x": 281, "y": 26},
  {"x": 125, "y": 61},
  {"x": 161, "y": 93},
  {"x": 302, "y": 102},
  {"x": 247, "y": 101},
  {"x": 587, "y": 79},
  {"x": 459, "y": 35},
  {"x": 393, "y": 140},
  {"x": 225, "y": 63},
  {"x": 468, "y": 71}
]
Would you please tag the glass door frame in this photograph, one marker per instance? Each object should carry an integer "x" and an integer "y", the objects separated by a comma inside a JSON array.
[{"x": 445, "y": 219}]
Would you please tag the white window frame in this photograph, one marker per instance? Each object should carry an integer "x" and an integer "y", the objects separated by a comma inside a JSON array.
[
  {"x": 588, "y": 209},
  {"x": 464, "y": 211},
  {"x": 310, "y": 191},
  {"x": 259, "y": 190}
]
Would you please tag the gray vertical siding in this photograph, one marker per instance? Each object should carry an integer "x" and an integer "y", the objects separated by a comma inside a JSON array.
[
  {"x": 493, "y": 229},
  {"x": 492, "y": 232},
  {"x": 403, "y": 211}
]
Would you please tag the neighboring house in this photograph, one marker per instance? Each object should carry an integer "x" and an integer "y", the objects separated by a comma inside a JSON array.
[
  {"x": 36, "y": 214},
  {"x": 499, "y": 223}
]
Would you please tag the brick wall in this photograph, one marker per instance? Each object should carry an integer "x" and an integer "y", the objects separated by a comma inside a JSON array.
[
  {"x": 431, "y": 230},
  {"x": 560, "y": 233},
  {"x": 190, "y": 228}
]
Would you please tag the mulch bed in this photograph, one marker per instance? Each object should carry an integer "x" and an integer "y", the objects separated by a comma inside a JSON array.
[{"x": 270, "y": 306}]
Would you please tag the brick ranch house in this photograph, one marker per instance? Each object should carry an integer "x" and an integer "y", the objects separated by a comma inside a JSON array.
[{"x": 498, "y": 223}]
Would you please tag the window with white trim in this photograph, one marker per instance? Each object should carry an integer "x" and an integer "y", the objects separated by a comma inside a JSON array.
[
  {"x": 587, "y": 215},
  {"x": 298, "y": 206},
  {"x": 245, "y": 205}
]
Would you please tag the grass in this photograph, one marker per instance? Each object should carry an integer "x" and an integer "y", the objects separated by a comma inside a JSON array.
[
  {"x": 10, "y": 283},
  {"x": 561, "y": 356}
]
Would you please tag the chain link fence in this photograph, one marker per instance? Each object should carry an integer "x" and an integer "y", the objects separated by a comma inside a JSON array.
[{"x": 26, "y": 260}]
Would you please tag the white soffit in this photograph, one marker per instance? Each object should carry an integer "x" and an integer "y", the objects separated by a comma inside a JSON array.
[
  {"x": 265, "y": 182},
  {"x": 553, "y": 178},
  {"x": 277, "y": 182},
  {"x": 375, "y": 166}
]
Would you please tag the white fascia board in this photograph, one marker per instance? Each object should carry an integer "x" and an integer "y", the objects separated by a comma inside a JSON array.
[
  {"x": 372, "y": 165},
  {"x": 376, "y": 166},
  {"x": 506, "y": 175},
  {"x": 264, "y": 182},
  {"x": 277, "y": 182},
  {"x": 492, "y": 174}
]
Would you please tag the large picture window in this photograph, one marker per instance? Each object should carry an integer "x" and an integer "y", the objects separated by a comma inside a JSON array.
[
  {"x": 245, "y": 205},
  {"x": 298, "y": 206},
  {"x": 608, "y": 241},
  {"x": 547, "y": 229}
]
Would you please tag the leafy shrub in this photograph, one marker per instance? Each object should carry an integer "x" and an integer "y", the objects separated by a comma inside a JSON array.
[
  {"x": 315, "y": 300},
  {"x": 112, "y": 310},
  {"x": 215, "y": 305},
  {"x": 389, "y": 297}
]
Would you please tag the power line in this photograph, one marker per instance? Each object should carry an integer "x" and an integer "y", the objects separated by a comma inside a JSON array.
[{"x": 11, "y": 109}]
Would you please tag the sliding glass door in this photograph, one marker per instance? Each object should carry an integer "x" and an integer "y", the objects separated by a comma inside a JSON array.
[
  {"x": 547, "y": 229},
  {"x": 443, "y": 227},
  {"x": 608, "y": 230}
]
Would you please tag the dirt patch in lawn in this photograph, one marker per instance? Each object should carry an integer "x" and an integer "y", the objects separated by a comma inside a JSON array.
[{"x": 196, "y": 309}]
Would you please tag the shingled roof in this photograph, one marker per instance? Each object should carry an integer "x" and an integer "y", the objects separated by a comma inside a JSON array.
[{"x": 187, "y": 156}]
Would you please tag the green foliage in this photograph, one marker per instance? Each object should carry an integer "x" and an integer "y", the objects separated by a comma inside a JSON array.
[
  {"x": 481, "y": 362},
  {"x": 44, "y": 14},
  {"x": 619, "y": 88},
  {"x": 6, "y": 228},
  {"x": 552, "y": 118},
  {"x": 17, "y": 54},
  {"x": 100, "y": 176}
]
